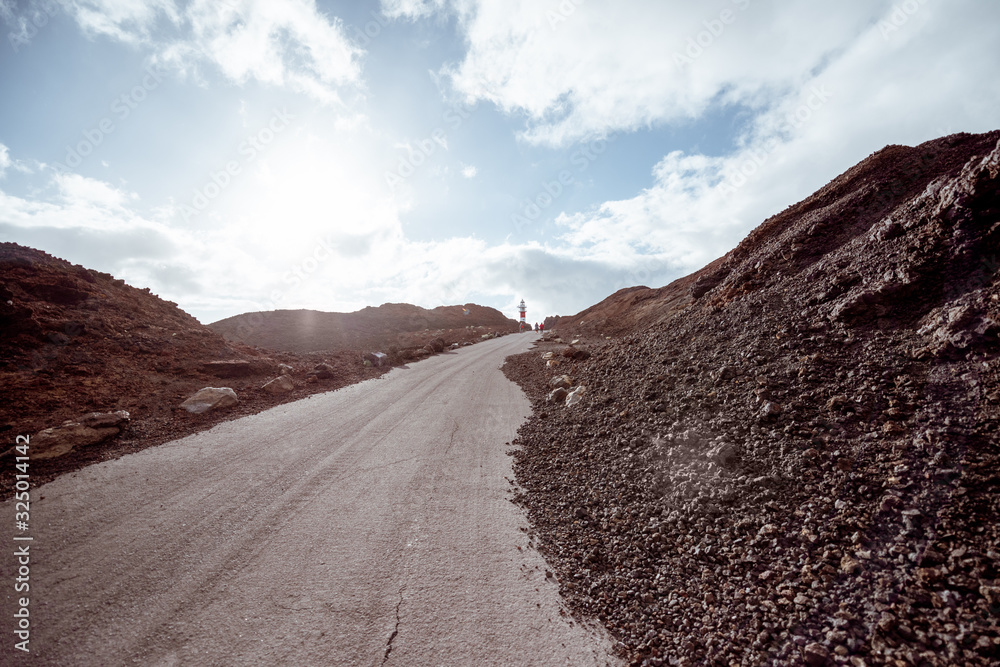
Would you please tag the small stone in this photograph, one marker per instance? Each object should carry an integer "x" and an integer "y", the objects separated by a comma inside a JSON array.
[
  {"x": 815, "y": 654},
  {"x": 848, "y": 565},
  {"x": 770, "y": 410}
]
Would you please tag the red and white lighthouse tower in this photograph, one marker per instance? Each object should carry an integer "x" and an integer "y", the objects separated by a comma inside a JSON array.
[{"x": 523, "y": 309}]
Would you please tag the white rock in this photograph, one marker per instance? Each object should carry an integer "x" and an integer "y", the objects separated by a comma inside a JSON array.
[
  {"x": 89, "y": 429},
  {"x": 575, "y": 396},
  {"x": 279, "y": 385},
  {"x": 564, "y": 381},
  {"x": 210, "y": 398},
  {"x": 557, "y": 395}
]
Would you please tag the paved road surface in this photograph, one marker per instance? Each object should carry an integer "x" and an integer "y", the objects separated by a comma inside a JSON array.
[{"x": 366, "y": 526}]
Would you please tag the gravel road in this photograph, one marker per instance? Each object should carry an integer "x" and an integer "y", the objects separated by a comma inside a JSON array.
[{"x": 365, "y": 526}]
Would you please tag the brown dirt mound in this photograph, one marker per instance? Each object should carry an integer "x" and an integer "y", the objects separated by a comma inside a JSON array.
[{"x": 796, "y": 462}]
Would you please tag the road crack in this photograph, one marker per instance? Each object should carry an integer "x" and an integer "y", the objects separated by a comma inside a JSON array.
[
  {"x": 395, "y": 631},
  {"x": 451, "y": 440}
]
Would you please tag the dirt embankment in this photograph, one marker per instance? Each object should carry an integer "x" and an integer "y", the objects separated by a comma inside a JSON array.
[
  {"x": 793, "y": 459},
  {"x": 75, "y": 341}
]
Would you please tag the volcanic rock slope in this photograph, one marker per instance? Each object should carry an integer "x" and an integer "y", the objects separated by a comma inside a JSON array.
[
  {"x": 795, "y": 459},
  {"x": 311, "y": 330}
]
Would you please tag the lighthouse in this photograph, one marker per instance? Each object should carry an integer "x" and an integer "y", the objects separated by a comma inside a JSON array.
[{"x": 523, "y": 309}]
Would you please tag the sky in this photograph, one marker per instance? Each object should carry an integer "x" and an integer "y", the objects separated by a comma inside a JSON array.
[{"x": 249, "y": 155}]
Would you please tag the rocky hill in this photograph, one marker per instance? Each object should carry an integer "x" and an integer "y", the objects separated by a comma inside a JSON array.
[
  {"x": 314, "y": 331},
  {"x": 791, "y": 457}
]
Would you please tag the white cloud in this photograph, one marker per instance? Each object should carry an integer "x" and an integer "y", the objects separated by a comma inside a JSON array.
[
  {"x": 338, "y": 247},
  {"x": 469, "y": 170},
  {"x": 7, "y": 10},
  {"x": 129, "y": 21},
  {"x": 883, "y": 87},
  {"x": 4, "y": 160},
  {"x": 287, "y": 43},
  {"x": 579, "y": 70},
  {"x": 411, "y": 9}
]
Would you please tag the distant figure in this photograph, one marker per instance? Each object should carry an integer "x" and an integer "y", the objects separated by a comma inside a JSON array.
[
  {"x": 541, "y": 327},
  {"x": 536, "y": 326}
]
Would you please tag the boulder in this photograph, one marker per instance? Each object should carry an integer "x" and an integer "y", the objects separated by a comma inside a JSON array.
[
  {"x": 322, "y": 372},
  {"x": 118, "y": 419},
  {"x": 88, "y": 430},
  {"x": 575, "y": 396},
  {"x": 210, "y": 398},
  {"x": 279, "y": 385},
  {"x": 563, "y": 381},
  {"x": 557, "y": 395},
  {"x": 552, "y": 363},
  {"x": 377, "y": 358},
  {"x": 571, "y": 352}
]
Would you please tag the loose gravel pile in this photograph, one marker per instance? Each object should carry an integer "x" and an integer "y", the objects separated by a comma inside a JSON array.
[{"x": 802, "y": 466}]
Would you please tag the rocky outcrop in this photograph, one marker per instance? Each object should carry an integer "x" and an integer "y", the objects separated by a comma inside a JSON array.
[
  {"x": 210, "y": 398},
  {"x": 90, "y": 429}
]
